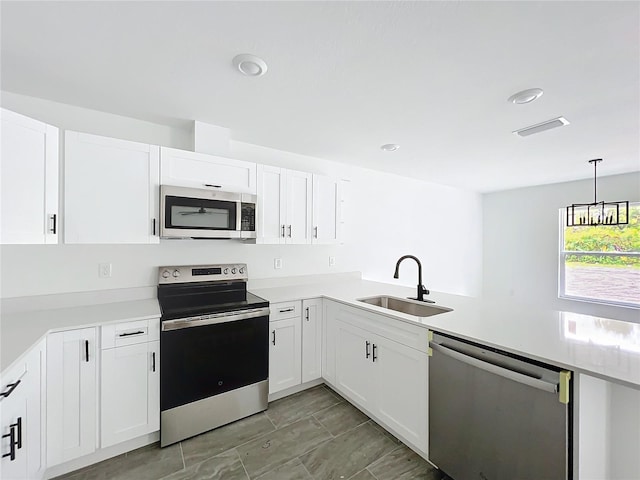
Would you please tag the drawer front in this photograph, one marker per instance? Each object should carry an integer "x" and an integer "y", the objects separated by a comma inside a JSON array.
[
  {"x": 280, "y": 311},
  {"x": 130, "y": 333}
]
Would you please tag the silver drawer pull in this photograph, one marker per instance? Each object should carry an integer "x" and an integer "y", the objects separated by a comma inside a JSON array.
[{"x": 287, "y": 310}]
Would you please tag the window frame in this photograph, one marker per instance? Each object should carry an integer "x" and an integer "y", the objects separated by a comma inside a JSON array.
[{"x": 562, "y": 255}]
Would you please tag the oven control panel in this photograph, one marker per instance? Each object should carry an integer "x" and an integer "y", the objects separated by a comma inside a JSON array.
[{"x": 202, "y": 273}]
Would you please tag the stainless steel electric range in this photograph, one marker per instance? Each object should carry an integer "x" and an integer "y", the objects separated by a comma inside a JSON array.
[{"x": 214, "y": 357}]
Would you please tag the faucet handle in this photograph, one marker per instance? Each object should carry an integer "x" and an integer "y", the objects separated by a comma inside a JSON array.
[{"x": 424, "y": 290}]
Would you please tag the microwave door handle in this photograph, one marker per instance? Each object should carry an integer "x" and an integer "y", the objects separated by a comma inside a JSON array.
[{"x": 238, "y": 216}]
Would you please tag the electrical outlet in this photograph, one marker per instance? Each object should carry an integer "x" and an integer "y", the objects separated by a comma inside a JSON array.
[
  {"x": 104, "y": 270},
  {"x": 277, "y": 263},
  {"x": 332, "y": 261}
]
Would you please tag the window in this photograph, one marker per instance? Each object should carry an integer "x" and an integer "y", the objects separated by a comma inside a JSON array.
[{"x": 601, "y": 264}]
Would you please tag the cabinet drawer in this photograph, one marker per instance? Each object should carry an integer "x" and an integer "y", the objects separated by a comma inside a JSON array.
[
  {"x": 280, "y": 311},
  {"x": 130, "y": 333}
]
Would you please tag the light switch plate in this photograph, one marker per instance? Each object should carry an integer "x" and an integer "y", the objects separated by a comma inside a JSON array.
[
  {"x": 277, "y": 263},
  {"x": 332, "y": 261}
]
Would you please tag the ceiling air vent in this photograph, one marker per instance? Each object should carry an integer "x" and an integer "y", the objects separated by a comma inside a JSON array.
[{"x": 541, "y": 127}]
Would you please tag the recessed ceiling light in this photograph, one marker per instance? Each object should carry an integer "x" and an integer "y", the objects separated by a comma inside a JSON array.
[
  {"x": 250, "y": 65},
  {"x": 525, "y": 96},
  {"x": 390, "y": 147}
]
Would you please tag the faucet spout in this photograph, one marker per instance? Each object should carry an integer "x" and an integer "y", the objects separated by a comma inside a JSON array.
[{"x": 421, "y": 290}]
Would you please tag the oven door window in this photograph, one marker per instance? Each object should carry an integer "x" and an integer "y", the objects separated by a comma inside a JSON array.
[
  {"x": 200, "y": 213},
  {"x": 199, "y": 362}
]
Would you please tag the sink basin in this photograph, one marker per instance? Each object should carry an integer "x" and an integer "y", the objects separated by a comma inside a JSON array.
[{"x": 405, "y": 305}]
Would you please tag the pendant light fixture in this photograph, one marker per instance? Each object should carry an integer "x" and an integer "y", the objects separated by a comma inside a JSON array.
[{"x": 597, "y": 213}]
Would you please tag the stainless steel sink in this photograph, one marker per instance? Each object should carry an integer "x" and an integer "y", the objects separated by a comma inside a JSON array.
[{"x": 405, "y": 305}]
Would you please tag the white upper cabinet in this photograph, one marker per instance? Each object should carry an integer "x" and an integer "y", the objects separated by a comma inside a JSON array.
[
  {"x": 326, "y": 210},
  {"x": 199, "y": 170},
  {"x": 111, "y": 190},
  {"x": 28, "y": 180},
  {"x": 284, "y": 205}
]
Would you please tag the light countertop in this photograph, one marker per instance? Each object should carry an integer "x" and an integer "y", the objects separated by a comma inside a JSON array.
[
  {"x": 21, "y": 330},
  {"x": 601, "y": 347}
]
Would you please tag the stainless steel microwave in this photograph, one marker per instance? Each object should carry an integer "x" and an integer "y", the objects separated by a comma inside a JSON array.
[{"x": 199, "y": 213}]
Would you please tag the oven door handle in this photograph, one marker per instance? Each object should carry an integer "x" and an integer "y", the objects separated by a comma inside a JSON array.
[{"x": 214, "y": 319}]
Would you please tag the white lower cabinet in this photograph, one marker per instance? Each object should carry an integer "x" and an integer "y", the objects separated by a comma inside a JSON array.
[
  {"x": 311, "y": 339},
  {"x": 401, "y": 378},
  {"x": 130, "y": 392},
  {"x": 285, "y": 354},
  {"x": 20, "y": 418},
  {"x": 354, "y": 372},
  {"x": 71, "y": 394},
  {"x": 385, "y": 377}
]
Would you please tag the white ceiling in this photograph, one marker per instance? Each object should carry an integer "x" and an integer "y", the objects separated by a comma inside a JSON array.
[{"x": 347, "y": 77}]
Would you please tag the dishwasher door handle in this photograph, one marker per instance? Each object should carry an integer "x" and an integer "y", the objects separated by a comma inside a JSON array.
[{"x": 495, "y": 369}]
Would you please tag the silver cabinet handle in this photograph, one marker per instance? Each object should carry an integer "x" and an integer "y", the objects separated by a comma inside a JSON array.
[
  {"x": 306, "y": 315},
  {"x": 375, "y": 349},
  {"x": 289, "y": 231},
  {"x": 282, "y": 231},
  {"x": 274, "y": 337},
  {"x": 212, "y": 185},
  {"x": 315, "y": 232},
  {"x": 285, "y": 310},
  {"x": 153, "y": 361}
]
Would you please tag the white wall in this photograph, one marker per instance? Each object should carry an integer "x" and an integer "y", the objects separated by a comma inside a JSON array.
[
  {"x": 521, "y": 241},
  {"x": 387, "y": 216}
]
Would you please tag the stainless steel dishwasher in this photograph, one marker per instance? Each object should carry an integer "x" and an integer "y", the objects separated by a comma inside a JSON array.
[{"x": 495, "y": 416}]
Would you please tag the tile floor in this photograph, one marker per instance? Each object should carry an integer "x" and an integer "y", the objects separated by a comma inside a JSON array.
[{"x": 312, "y": 435}]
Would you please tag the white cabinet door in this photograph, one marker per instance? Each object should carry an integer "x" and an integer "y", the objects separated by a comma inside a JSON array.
[
  {"x": 271, "y": 207},
  {"x": 199, "y": 170},
  {"x": 111, "y": 190},
  {"x": 71, "y": 395},
  {"x": 354, "y": 364},
  {"x": 298, "y": 205},
  {"x": 28, "y": 180},
  {"x": 284, "y": 205},
  {"x": 13, "y": 420},
  {"x": 284, "y": 354},
  {"x": 130, "y": 392},
  {"x": 20, "y": 418},
  {"x": 311, "y": 339},
  {"x": 326, "y": 205},
  {"x": 20, "y": 413},
  {"x": 402, "y": 390}
]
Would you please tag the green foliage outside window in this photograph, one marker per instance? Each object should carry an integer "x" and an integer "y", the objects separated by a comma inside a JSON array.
[{"x": 604, "y": 238}]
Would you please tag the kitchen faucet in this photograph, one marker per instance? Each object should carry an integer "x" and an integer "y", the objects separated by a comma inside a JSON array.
[{"x": 421, "y": 290}]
